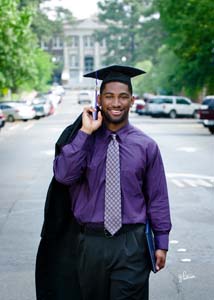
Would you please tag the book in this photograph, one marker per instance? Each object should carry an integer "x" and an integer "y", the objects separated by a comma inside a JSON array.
[{"x": 151, "y": 245}]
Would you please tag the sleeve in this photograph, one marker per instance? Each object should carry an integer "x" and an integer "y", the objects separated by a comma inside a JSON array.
[
  {"x": 70, "y": 164},
  {"x": 157, "y": 198}
]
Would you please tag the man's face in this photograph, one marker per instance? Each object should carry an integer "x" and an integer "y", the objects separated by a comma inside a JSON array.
[{"x": 115, "y": 101}]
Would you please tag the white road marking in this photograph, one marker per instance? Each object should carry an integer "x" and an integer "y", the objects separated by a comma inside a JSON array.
[
  {"x": 190, "y": 182},
  {"x": 173, "y": 242},
  {"x": 186, "y": 260},
  {"x": 29, "y": 126},
  {"x": 189, "y": 175},
  {"x": 194, "y": 180},
  {"x": 187, "y": 149},
  {"x": 14, "y": 127},
  {"x": 181, "y": 250},
  {"x": 178, "y": 183},
  {"x": 202, "y": 182}
]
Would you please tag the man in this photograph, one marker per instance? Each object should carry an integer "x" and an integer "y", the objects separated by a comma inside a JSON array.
[{"x": 115, "y": 176}]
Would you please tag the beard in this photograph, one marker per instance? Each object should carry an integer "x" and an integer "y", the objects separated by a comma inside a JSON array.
[{"x": 115, "y": 120}]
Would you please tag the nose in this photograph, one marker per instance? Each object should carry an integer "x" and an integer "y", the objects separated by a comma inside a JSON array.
[{"x": 116, "y": 102}]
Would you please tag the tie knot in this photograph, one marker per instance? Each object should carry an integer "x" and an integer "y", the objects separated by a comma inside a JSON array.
[{"x": 113, "y": 135}]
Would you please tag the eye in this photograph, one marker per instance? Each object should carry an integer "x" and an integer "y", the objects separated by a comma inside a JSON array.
[
  {"x": 108, "y": 96},
  {"x": 124, "y": 97}
]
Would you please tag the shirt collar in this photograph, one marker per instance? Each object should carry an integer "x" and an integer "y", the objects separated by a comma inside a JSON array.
[{"x": 121, "y": 133}]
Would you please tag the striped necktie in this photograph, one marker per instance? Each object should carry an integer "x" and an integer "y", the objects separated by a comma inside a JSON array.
[{"x": 112, "y": 214}]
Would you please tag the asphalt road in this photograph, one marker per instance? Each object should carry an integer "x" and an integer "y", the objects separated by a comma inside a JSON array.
[{"x": 26, "y": 155}]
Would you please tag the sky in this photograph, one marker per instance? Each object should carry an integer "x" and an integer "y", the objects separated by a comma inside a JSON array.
[{"x": 80, "y": 8}]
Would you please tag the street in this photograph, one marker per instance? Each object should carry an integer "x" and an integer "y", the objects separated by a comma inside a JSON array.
[{"x": 26, "y": 156}]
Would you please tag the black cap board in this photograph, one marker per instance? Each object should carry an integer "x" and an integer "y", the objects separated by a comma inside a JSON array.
[{"x": 115, "y": 73}]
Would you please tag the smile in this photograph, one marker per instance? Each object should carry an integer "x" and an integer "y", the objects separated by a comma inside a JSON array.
[{"x": 116, "y": 112}]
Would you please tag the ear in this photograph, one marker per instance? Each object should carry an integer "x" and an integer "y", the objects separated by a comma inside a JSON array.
[
  {"x": 132, "y": 100},
  {"x": 99, "y": 101}
]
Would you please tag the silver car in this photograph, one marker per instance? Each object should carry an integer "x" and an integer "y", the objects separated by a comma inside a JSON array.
[{"x": 17, "y": 111}]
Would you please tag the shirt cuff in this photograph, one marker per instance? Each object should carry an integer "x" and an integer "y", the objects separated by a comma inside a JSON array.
[{"x": 161, "y": 241}]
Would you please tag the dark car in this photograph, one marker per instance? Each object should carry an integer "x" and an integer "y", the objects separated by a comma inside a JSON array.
[{"x": 206, "y": 113}]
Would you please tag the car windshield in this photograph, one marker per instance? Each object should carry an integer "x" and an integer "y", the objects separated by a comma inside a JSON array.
[
  {"x": 207, "y": 101},
  {"x": 160, "y": 101}
]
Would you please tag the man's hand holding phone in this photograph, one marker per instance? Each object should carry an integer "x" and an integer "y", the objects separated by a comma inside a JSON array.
[{"x": 90, "y": 125}]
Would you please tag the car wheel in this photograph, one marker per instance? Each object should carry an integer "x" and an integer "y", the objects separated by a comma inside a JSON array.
[
  {"x": 172, "y": 114},
  {"x": 211, "y": 129},
  {"x": 10, "y": 118}
]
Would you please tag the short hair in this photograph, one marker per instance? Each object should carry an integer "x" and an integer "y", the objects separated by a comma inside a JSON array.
[{"x": 104, "y": 83}]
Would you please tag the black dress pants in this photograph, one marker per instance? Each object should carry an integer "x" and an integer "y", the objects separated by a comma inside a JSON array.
[{"x": 114, "y": 268}]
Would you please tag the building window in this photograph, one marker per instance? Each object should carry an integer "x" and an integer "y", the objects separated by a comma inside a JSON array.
[
  {"x": 73, "y": 41},
  {"x": 88, "y": 41},
  {"x": 57, "y": 42},
  {"x": 102, "y": 43},
  {"x": 44, "y": 45},
  {"x": 89, "y": 63},
  {"x": 73, "y": 61}
]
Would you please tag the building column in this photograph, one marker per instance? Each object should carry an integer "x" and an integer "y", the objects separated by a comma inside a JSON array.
[
  {"x": 96, "y": 56},
  {"x": 65, "y": 73},
  {"x": 81, "y": 59}
]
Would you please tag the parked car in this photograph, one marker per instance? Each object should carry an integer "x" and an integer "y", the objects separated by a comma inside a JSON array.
[
  {"x": 42, "y": 106},
  {"x": 58, "y": 89},
  {"x": 138, "y": 107},
  {"x": 2, "y": 119},
  {"x": 206, "y": 113},
  {"x": 17, "y": 111},
  {"x": 54, "y": 98},
  {"x": 172, "y": 106},
  {"x": 84, "y": 97}
]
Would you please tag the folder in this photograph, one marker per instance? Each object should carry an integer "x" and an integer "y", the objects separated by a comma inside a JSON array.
[{"x": 151, "y": 245}]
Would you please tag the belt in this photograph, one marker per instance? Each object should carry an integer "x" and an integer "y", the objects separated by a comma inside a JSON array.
[{"x": 99, "y": 229}]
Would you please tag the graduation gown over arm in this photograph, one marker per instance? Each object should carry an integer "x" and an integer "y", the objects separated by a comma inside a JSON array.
[{"x": 56, "y": 275}]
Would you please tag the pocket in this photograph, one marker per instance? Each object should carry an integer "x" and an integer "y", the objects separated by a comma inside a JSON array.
[{"x": 140, "y": 237}]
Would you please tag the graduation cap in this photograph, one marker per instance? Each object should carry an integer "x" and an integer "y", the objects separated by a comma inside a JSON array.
[{"x": 115, "y": 73}]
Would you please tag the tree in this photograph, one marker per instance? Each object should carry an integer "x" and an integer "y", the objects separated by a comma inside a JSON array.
[
  {"x": 122, "y": 18},
  {"x": 22, "y": 62},
  {"x": 16, "y": 45},
  {"x": 190, "y": 30}
]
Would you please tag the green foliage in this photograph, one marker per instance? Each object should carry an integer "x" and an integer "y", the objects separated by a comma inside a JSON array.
[
  {"x": 22, "y": 63},
  {"x": 17, "y": 45},
  {"x": 123, "y": 20},
  {"x": 44, "y": 69},
  {"x": 144, "y": 83},
  {"x": 189, "y": 24},
  {"x": 178, "y": 45}
]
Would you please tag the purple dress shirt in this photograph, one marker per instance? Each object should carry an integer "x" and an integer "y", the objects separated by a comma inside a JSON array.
[{"x": 81, "y": 166}]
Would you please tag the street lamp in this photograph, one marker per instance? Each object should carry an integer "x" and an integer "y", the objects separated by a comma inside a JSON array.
[{"x": 124, "y": 59}]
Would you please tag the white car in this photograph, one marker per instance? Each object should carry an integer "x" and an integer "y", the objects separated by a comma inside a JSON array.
[
  {"x": 58, "y": 89},
  {"x": 17, "y": 111},
  {"x": 172, "y": 106},
  {"x": 84, "y": 97}
]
